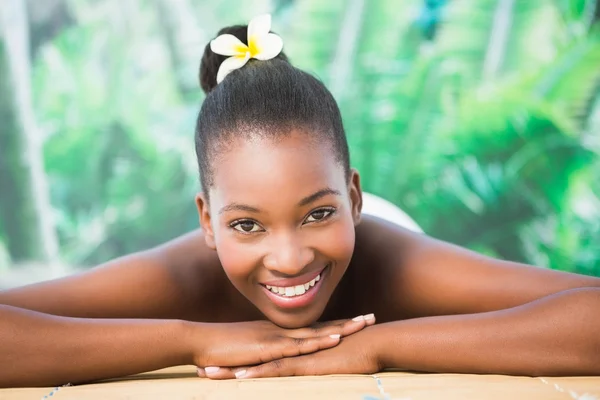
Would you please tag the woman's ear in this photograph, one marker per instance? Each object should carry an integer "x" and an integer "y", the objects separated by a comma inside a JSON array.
[
  {"x": 355, "y": 195},
  {"x": 205, "y": 220}
]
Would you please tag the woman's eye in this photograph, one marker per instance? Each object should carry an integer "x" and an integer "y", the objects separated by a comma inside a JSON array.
[
  {"x": 318, "y": 215},
  {"x": 246, "y": 226}
]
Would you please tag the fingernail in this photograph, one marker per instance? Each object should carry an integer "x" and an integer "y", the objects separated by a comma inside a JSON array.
[
  {"x": 370, "y": 316},
  {"x": 359, "y": 318},
  {"x": 211, "y": 370},
  {"x": 240, "y": 374},
  {"x": 336, "y": 336}
]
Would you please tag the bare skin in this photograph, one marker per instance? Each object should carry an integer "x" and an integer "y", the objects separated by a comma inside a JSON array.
[{"x": 438, "y": 307}]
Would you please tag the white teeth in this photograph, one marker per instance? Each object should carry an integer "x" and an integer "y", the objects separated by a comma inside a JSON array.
[{"x": 292, "y": 291}]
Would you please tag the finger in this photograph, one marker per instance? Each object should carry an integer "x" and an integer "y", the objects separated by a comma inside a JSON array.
[
  {"x": 370, "y": 319},
  {"x": 283, "y": 367},
  {"x": 219, "y": 373},
  {"x": 226, "y": 373},
  {"x": 352, "y": 326},
  {"x": 292, "y": 347},
  {"x": 347, "y": 326},
  {"x": 201, "y": 373},
  {"x": 319, "y": 329},
  {"x": 343, "y": 327},
  {"x": 357, "y": 324},
  {"x": 329, "y": 328}
]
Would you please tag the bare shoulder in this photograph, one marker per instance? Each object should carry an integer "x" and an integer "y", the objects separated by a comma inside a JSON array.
[
  {"x": 169, "y": 281},
  {"x": 422, "y": 276}
]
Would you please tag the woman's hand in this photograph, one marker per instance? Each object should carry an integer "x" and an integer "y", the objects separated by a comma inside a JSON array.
[
  {"x": 258, "y": 342},
  {"x": 353, "y": 355}
]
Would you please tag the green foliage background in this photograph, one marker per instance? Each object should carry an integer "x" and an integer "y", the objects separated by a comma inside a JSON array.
[{"x": 487, "y": 134}]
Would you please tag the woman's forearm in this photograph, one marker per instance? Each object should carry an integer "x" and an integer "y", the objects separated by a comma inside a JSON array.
[
  {"x": 555, "y": 335},
  {"x": 38, "y": 349}
]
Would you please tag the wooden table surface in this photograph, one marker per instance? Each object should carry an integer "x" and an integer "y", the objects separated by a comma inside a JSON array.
[{"x": 182, "y": 383}]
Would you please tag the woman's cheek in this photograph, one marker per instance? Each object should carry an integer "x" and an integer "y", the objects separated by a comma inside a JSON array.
[
  {"x": 237, "y": 259},
  {"x": 345, "y": 243},
  {"x": 336, "y": 242}
]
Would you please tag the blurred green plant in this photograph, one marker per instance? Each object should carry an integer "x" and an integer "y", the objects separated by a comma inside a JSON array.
[
  {"x": 480, "y": 134},
  {"x": 114, "y": 151},
  {"x": 483, "y": 123}
]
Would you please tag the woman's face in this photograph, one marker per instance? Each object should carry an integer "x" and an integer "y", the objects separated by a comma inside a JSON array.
[{"x": 281, "y": 217}]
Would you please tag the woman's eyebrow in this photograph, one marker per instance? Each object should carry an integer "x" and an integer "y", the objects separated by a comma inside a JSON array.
[
  {"x": 305, "y": 201},
  {"x": 238, "y": 207},
  {"x": 317, "y": 195}
]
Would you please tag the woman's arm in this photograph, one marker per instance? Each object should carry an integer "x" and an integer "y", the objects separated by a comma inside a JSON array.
[
  {"x": 51, "y": 332},
  {"x": 44, "y": 350},
  {"x": 487, "y": 315},
  {"x": 38, "y": 349},
  {"x": 555, "y": 335}
]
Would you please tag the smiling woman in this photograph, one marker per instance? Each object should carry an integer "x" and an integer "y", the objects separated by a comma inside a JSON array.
[
  {"x": 288, "y": 275},
  {"x": 297, "y": 217}
]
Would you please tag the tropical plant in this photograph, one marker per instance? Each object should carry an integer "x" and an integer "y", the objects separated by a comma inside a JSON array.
[
  {"x": 483, "y": 123},
  {"x": 479, "y": 136}
]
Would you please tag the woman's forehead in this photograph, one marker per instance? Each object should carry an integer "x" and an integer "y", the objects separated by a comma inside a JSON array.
[{"x": 262, "y": 167}]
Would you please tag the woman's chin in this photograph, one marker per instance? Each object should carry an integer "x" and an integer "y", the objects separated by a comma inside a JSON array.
[{"x": 292, "y": 320}]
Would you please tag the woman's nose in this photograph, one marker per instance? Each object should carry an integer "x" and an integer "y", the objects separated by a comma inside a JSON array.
[{"x": 288, "y": 255}]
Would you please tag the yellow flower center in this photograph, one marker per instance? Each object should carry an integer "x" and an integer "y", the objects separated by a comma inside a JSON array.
[
  {"x": 253, "y": 46},
  {"x": 241, "y": 49}
]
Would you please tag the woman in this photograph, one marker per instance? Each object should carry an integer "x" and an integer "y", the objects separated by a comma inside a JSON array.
[{"x": 283, "y": 251}]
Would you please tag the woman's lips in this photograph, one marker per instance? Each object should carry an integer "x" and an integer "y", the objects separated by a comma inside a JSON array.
[
  {"x": 298, "y": 280},
  {"x": 297, "y": 300}
]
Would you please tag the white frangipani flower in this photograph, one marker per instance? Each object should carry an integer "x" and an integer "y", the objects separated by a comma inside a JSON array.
[{"x": 262, "y": 45}]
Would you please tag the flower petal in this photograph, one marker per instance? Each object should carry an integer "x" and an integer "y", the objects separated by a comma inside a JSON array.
[
  {"x": 228, "y": 45},
  {"x": 259, "y": 26},
  {"x": 230, "y": 64},
  {"x": 268, "y": 46}
]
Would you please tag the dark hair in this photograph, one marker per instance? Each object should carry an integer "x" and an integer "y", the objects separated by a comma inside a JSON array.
[{"x": 266, "y": 98}]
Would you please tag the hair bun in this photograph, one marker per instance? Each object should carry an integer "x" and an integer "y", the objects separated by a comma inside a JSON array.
[{"x": 209, "y": 66}]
